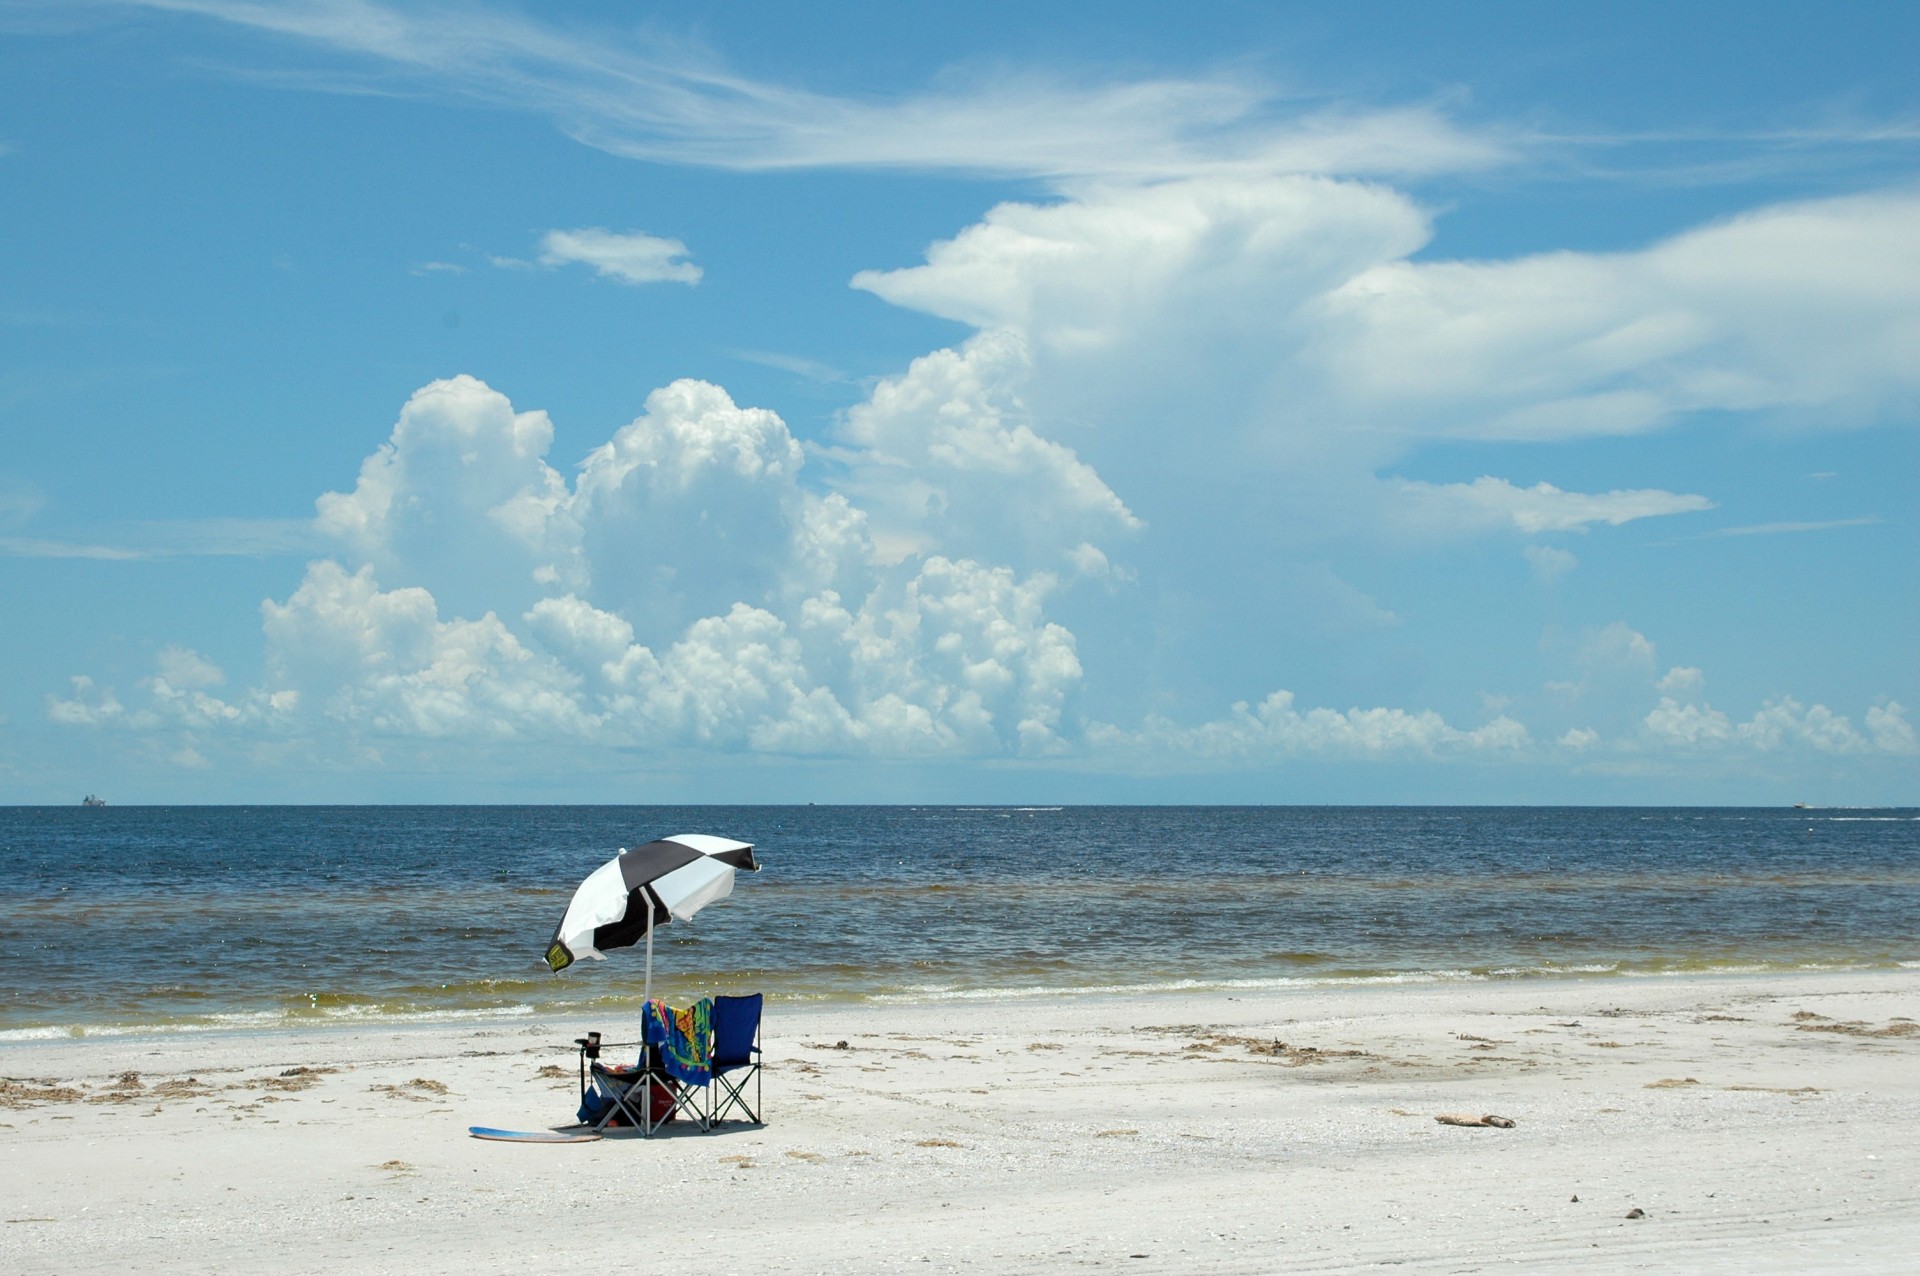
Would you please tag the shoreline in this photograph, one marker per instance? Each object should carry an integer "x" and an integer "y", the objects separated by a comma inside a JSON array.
[
  {"x": 1759, "y": 1122},
  {"x": 104, "y": 1031}
]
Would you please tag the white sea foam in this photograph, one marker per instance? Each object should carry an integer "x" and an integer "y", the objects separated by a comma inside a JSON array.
[
  {"x": 946, "y": 992},
  {"x": 36, "y": 1034},
  {"x": 935, "y": 992},
  {"x": 264, "y": 1021},
  {"x": 1753, "y": 968}
]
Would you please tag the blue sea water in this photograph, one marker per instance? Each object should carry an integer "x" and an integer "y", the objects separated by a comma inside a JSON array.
[{"x": 136, "y": 919}]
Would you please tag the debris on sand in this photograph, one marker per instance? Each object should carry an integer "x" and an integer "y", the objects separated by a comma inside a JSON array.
[
  {"x": 20, "y": 1092},
  {"x": 1212, "y": 1040},
  {"x": 1467, "y": 1118},
  {"x": 1856, "y": 1028}
]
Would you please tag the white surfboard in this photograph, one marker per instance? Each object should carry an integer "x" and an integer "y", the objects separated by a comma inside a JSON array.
[{"x": 532, "y": 1136}]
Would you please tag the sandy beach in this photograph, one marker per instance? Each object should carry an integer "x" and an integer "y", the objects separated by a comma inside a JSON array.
[{"x": 1755, "y": 1124}]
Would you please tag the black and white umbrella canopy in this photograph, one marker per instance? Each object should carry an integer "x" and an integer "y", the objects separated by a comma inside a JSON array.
[{"x": 624, "y": 899}]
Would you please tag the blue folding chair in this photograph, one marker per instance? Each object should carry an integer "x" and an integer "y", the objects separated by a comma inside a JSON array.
[{"x": 736, "y": 1057}]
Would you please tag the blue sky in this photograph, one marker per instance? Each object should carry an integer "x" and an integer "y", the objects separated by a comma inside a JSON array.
[{"x": 1212, "y": 402}]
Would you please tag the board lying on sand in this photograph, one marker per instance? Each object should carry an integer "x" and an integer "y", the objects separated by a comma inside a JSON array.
[{"x": 531, "y": 1136}]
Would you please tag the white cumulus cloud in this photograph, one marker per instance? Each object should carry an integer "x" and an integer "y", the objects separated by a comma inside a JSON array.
[
  {"x": 1788, "y": 310},
  {"x": 1891, "y": 732},
  {"x": 1207, "y": 334},
  {"x": 1276, "y": 728},
  {"x": 89, "y": 705},
  {"x": 385, "y": 663},
  {"x": 684, "y": 589},
  {"x": 1177, "y": 393},
  {"x": 1549, "y": 562},
  {"x": 1680, "y": 680},
  {"x": 1779, "y": 724},
  {"x": 460, "y": 496},
  {"x": 632, "y": 258},
  {"x": 945, "y": 456}
]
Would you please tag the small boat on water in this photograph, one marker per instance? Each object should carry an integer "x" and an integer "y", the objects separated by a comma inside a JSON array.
[{"x": 91, "y": 800}]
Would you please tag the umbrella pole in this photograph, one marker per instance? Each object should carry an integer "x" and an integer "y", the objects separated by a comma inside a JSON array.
[{"x": 649, "y": 985}]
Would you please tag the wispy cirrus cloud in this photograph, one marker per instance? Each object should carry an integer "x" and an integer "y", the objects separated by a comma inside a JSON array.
[
  {"x": 655, "y": 98},
  {"x": 177, "y": 538},
  {"x": 1494, "y": 502},
  {"x": 1781, "y": 529},
  {"x": 39, "y": 547},
  {"x": 798, "y": 365},
  {"x": 1821, "y": 141},
  {"x": 18, "y": 504}
]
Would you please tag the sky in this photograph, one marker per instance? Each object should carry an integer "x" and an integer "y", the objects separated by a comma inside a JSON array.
[{"x": 743, "y": 402}]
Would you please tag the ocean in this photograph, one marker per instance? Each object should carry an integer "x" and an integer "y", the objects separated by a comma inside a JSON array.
[{"x": 177, "y": 919}]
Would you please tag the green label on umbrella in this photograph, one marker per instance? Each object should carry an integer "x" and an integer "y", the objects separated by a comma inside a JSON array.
[{"x": 558, "y": 958}]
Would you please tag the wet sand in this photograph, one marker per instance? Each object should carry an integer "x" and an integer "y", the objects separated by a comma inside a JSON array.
[{"x": 1755, "y": 1124}]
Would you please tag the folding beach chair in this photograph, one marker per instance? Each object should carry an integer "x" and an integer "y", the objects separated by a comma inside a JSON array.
[
  {"x": 626, "y": 1094},
  {"x": 672, "y": 1075},
  {"x": 736, "y": 1050}
]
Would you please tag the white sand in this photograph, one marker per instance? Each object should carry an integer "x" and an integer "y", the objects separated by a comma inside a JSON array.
[{"x": 1139, "y": 1134}]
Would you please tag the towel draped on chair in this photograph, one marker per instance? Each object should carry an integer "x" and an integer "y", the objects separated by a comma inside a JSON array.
[{"x": 685, "y": 1039}]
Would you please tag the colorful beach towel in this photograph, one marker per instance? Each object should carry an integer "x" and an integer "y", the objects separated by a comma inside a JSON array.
[{"x": 685, "y": 1038}]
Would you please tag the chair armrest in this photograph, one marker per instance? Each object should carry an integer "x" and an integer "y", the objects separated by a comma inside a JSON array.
[{"x": 620, "y": 1070}]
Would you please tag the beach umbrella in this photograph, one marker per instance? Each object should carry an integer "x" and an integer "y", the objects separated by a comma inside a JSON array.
[{"x": 622, "y": 901}]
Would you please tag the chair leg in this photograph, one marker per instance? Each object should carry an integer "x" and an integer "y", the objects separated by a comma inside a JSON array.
[
  {"x": 635, "y": 1102},
  {"x": 686, "y": 1098},
  {"x": 682, "y": 1099},
  {"x": 654, "y": 1079},
  {"x": 620, "y": 1095},
  {"x": 733, "y": 1095}
]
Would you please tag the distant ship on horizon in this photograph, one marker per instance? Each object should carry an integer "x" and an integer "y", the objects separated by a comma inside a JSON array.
[{"x": 91, "y": 800}]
